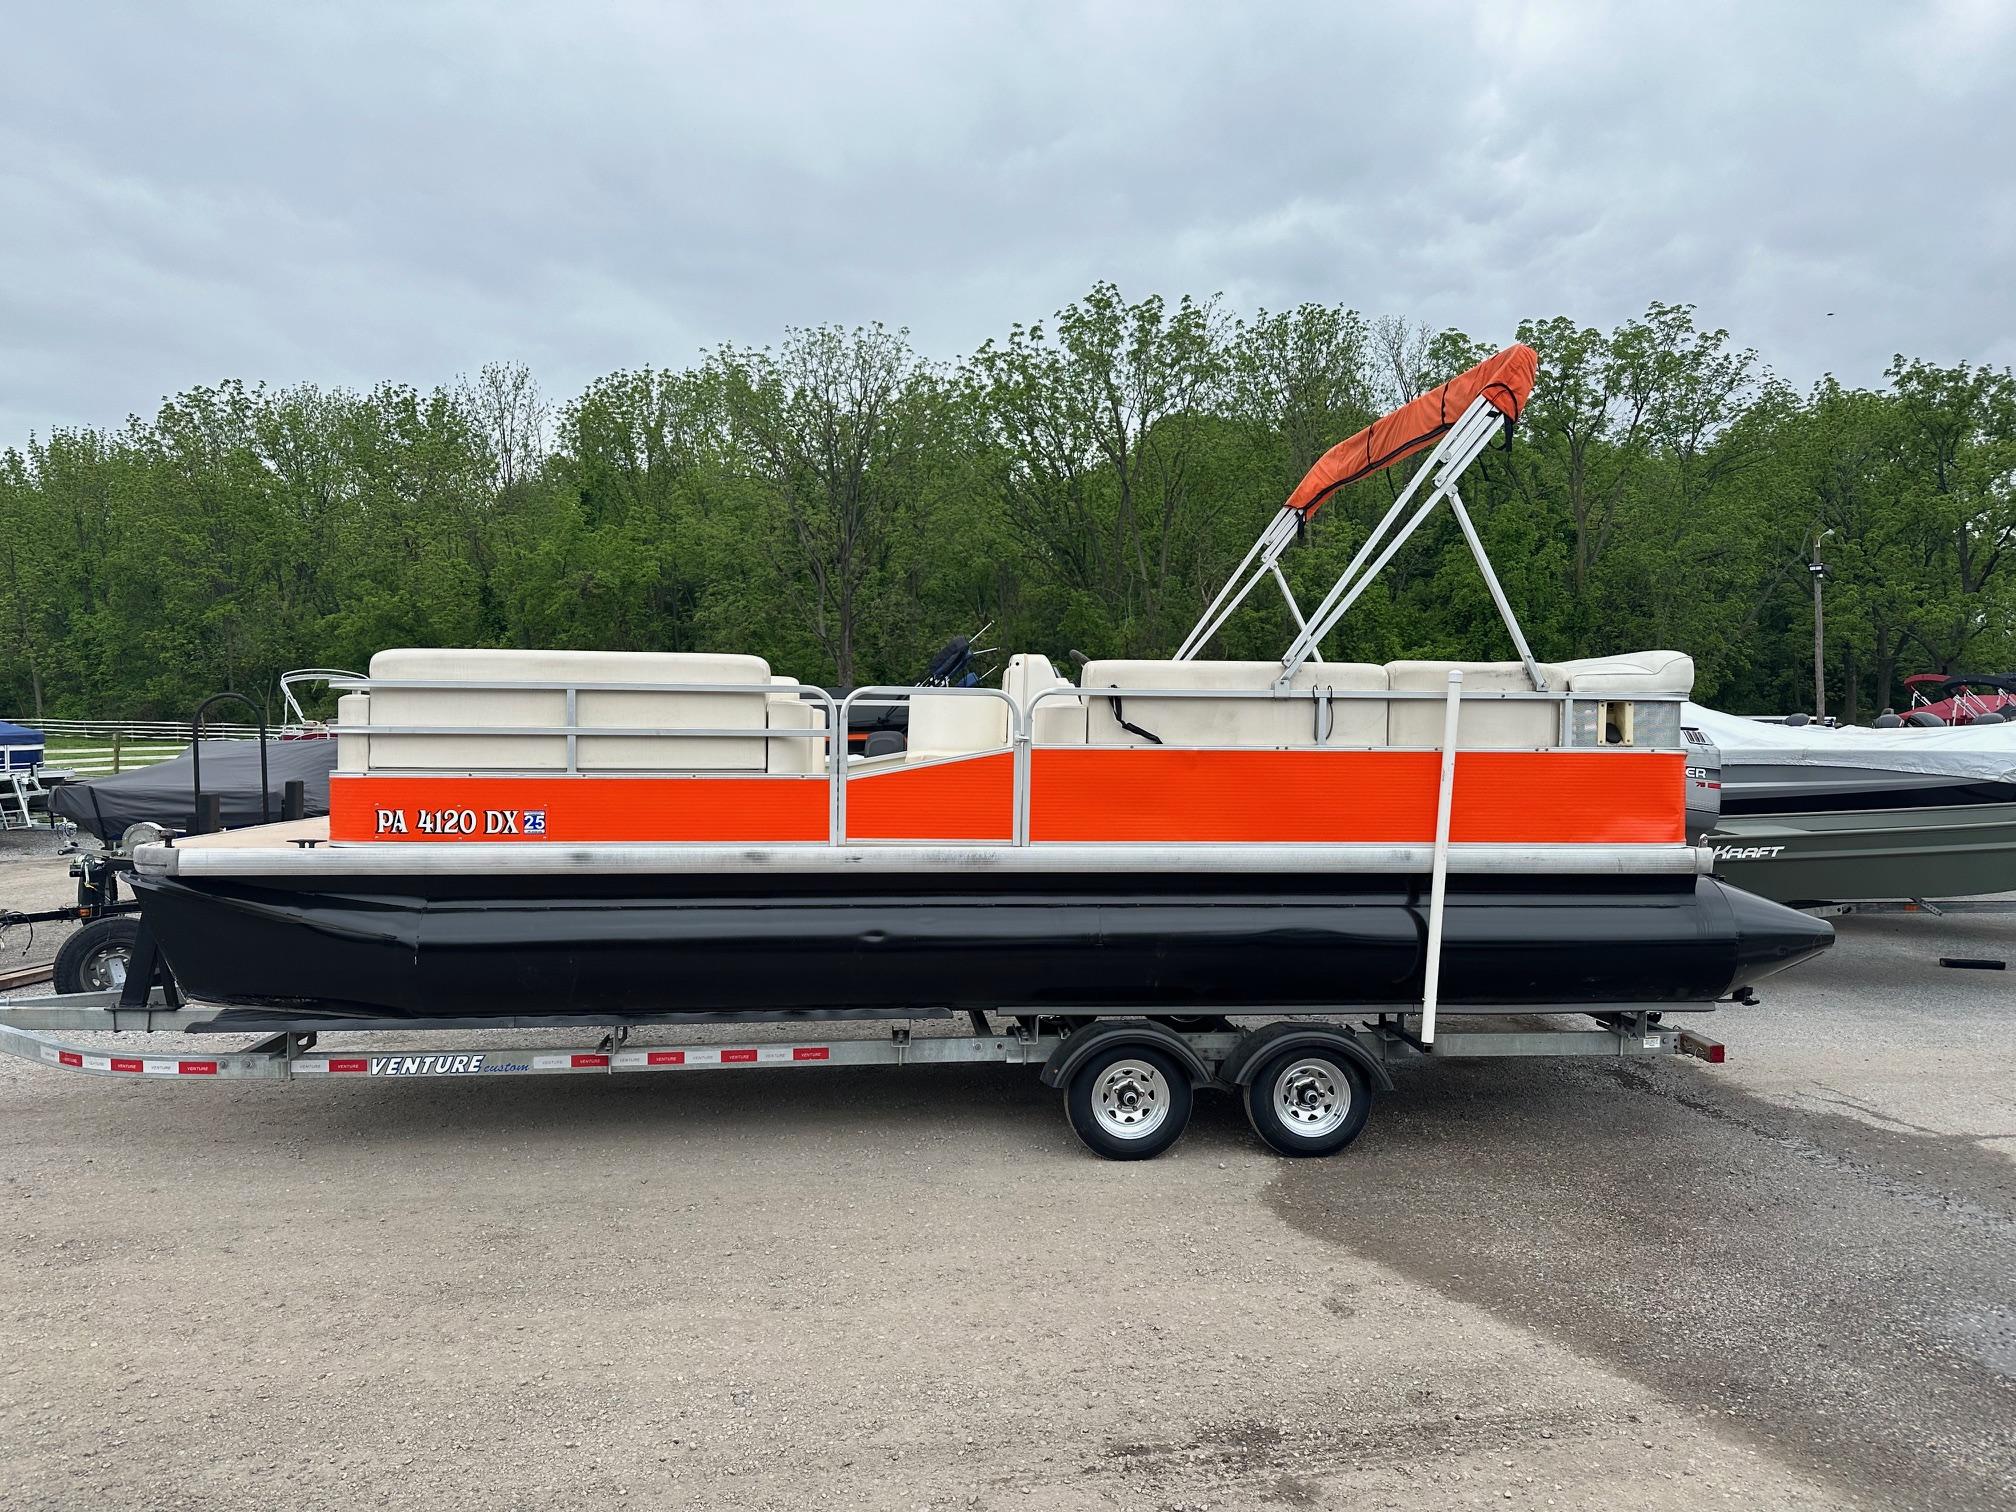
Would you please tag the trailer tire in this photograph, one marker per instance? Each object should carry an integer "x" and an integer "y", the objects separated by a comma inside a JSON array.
[
  {"x": 1128, "y": 1101},
  {"x": 84, "y": 962},
  {"x": 1308, "y": 1100}
]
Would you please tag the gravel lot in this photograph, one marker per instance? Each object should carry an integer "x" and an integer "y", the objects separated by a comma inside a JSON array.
[{"x": 1789, "y": 1281}]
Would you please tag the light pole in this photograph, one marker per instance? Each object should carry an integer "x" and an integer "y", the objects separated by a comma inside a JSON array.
[{"x": 1819, "y": 573}]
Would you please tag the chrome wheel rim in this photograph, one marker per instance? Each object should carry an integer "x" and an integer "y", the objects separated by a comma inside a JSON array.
[
  {"x": 1131, "y": 1099},
  {"x": 1311, "y": 1099},
  {"x": 105, "y": 970}
]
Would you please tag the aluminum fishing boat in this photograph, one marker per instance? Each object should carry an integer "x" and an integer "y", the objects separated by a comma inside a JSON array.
[
  {"x": 554, "y": 837},
  {"x": 1820, "y": 814}
]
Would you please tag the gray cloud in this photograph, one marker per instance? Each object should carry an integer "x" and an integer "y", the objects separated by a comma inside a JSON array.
[{"x": 346, "y": 193}]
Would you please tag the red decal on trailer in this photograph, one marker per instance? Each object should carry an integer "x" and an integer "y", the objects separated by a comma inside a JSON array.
[
  {"x": 127, "y": 1065},
  {"x": 359, "y": 1066},
  {"x": 810, "y": 1052},
  {"x": 729, "y": 1057},
  {"x": 70, "y": 1057},
  {"x": 665, "y": 1058},
  {"x": 589, "y": 1060},
  {"x": 195, "y": 1068}
]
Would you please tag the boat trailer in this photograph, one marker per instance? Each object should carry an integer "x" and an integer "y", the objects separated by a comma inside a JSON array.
[{"x": 1308, "y": 1084}]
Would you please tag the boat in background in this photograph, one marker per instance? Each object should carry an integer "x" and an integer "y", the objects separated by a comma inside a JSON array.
[
  {"x": 1817, "y": 813},
  {"x": 1960, "y": 699},
  {"x": 249, "y": 787}
]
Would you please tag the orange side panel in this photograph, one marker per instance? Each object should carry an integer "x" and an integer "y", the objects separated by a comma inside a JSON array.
[
  {"x": 1567, "y": 797},
  {"x": 972, "y": 798},
  {"x": 1147, "y": 794},
  {"x": 1119, "y": 794},
  {"x": 763, "y": 810}
]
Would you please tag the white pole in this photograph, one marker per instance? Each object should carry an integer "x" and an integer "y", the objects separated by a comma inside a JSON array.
[
  {"x": 1438, "y": 878},
  {"x": 1276, "y": 538},
  {"x": 1294, "y": 609},
  {"x": 1505, "y": 614}
]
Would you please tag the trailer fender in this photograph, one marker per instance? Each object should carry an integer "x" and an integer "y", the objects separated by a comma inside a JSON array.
[
  {"x": 1246, "y": 1057},
  {"x": 1071, "y": 1054}
]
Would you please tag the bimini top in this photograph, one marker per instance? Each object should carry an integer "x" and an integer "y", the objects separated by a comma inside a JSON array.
[{"x": 1504, "y": 381}]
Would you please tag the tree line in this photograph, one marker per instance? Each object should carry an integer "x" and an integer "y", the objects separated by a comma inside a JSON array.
[{"x": 842, "y": 505}]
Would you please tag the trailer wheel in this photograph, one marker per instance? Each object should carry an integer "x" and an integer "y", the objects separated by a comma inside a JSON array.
[
  {"x": 1128, "y": 1102},
  {"x": 94, "y": 958},
  {"x": 1308, "y": 1101}
]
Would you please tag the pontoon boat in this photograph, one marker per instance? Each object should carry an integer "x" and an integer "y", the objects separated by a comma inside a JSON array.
[{"x": 551, "y": 837}]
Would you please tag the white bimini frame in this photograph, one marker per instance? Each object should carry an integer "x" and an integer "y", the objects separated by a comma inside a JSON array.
[{"x": 1460, "y": 446}]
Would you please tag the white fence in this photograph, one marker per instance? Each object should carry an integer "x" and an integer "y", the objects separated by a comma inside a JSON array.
[{"x": 101, "y": 747}]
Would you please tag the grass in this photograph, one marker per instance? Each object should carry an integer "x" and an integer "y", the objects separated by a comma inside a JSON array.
[{"x": 94, "y": 757}]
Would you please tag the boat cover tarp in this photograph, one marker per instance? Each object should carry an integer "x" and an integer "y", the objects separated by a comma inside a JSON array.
[
  {"x": 1975, "y": 753},
  {"x": 19, "y": 735},
  {"x": 1504, "y": 380},
  {"x": 163, "y": 793}
]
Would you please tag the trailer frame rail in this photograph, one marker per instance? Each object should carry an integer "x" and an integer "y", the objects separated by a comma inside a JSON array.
[{"x": 31, "y": 1028}]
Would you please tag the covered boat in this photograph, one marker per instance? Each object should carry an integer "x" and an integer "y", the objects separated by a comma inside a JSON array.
[
  {"x": 1821, "y": 814},
  {"x": 550, "y": 837},
  {"x": 165, "y": 793}
]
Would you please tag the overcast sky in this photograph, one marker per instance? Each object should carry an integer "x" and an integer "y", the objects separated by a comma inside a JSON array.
[{"x": 348, "y": 192}]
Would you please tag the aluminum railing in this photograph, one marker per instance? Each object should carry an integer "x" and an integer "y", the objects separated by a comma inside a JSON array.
[
  {"x": 1020, "y": 721},
  {"x": 573, "y": 732}
]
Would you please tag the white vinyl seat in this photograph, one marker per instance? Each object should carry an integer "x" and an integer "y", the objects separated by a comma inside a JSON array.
[
  {"x": 1644, "y": 673},
  {"x": 743, "y": 703},
  {"x": 944, "y": 722},
  {"x": 1058, "y": 721},
  {"x": 353, "y": 751},
  {"x": 1485, "y": 724},
  {"x": 785, "y": 710},
  {"x": 1235, "y": 721}
]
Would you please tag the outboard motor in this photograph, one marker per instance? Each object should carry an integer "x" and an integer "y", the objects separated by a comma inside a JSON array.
[{"x": 1704, "y": 784}]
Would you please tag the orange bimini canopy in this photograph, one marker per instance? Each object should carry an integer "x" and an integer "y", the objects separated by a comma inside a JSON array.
[{"x": 1504, "y": 381}]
